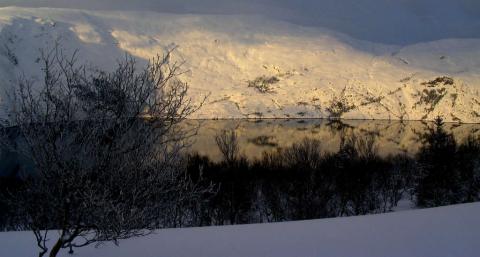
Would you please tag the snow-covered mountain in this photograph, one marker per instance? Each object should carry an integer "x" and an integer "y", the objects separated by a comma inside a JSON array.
[{"x": 251, "y": 66}]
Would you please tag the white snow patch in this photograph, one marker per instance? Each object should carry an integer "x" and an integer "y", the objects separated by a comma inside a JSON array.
[
  {"x": 447, "y": 231},
  {"x": 87, "y": 33}
]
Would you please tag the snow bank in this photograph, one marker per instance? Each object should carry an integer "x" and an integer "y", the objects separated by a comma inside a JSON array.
[
  {"x": 315, "y": 70},
  {"x": 447, "y": 231}
]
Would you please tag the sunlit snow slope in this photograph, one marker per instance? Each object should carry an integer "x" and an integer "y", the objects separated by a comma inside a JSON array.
[{"x": 307, "y": 72}]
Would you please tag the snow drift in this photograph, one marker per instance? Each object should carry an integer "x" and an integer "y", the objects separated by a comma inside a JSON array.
[{"x": 446, "y": 231}]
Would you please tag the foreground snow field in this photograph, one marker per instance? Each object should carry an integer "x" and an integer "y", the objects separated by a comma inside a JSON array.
[
  {"x": 447, "y": 231},
  {"x": 309, "y": 72}
]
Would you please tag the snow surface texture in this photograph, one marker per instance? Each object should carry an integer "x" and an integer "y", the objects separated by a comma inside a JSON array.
[
  {"x": 439, "y": 232},
  {"x": 255, "y": 67}
]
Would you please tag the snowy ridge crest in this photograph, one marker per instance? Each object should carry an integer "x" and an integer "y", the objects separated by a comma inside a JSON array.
[{"x": 253, "y": 67}]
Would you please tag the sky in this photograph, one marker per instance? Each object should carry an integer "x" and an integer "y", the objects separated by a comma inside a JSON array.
[{"x": 385, "y": 21}]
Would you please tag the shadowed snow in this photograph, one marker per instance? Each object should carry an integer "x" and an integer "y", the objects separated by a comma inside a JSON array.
[{"x": 447, "y": 231}]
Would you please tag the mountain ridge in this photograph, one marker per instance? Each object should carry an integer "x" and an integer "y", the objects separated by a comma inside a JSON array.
[{"x": 256, "y": 67}]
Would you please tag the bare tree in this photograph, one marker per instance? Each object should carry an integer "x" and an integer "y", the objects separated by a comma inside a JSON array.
[
  {"x": 366, "y": 146},
  {"x": 227, "y": 143},
  {"x": 106, "y": 148},
  {"x": 306, "y": 153}
]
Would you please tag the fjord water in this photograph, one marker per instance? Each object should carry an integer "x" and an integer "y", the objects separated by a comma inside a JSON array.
[{"x": 258, "y": 136}]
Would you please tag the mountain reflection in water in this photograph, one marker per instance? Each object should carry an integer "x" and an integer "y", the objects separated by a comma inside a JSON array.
[{"x": 257, "y": 136}]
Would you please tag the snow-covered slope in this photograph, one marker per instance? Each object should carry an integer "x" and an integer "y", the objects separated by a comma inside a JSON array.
[
  {"x": 308, "y": 72},
  {"x": 448, "y": 232}
]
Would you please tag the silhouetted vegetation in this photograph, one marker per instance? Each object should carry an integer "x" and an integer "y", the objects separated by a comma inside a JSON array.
[
  {"x": 105, "y": 149},
  {"x": 305, "y": 182},
  {"x": 448, "y": 173}
]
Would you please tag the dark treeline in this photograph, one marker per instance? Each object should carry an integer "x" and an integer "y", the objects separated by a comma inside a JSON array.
[{"x": 304, "y": 182}]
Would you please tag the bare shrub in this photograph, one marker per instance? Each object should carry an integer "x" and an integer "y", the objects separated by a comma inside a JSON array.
[
  {"x": 105, "y": 148},
  {"x": 263, "y": 140},
  {"x": 263, "y": 84},
  {"x": 307, "y": 153},
  {"x": 367, "y": 147},
  {"x": 338, "y": 107},
  {"x": 227, "y": 142},
  {"x": 364, "y": 147}
]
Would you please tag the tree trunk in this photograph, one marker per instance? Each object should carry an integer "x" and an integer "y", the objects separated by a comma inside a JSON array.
[{"x": 56, "y": 248}]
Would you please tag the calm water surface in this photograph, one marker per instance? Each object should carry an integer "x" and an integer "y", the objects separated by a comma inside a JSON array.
[{"x": 257, "y": 136}]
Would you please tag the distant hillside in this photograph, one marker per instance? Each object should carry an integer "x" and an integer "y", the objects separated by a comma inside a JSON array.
[
  {"x": 383, "y": 21},
  {"x": 254, "y": 67}
]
